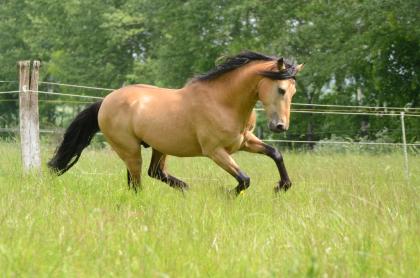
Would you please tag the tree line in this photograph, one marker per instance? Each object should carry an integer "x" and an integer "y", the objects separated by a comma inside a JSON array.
[{"x": 356, "y": 52}]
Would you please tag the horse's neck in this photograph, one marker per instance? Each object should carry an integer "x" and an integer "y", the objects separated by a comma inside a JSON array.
[{"x": 238, "y": 93}]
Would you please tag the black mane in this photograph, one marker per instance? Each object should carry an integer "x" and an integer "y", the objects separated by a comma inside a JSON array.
[{"x": 234, "y": 62}]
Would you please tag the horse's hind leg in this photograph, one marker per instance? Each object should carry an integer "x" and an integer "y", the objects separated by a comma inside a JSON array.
[
  {"x": 133, "y": 162},
  {"x": 129, "y": 152},
  {"x": 157, "y": 170}
]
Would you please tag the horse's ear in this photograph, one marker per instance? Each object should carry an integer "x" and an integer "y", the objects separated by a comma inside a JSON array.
[
  {"x": 280, "y": 64},
  {"x": 299, "y": 67}
]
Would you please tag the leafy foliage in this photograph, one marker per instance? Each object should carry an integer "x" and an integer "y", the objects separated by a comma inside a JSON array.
[{"x": 356, "y": 52}]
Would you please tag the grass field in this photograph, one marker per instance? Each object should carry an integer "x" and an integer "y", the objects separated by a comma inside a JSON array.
[{"x": 345, "y": 216}]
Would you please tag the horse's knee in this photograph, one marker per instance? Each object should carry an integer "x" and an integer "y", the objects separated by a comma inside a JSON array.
[
  {"x": 277, "y": 155},
  {"x": 273, "y": 153}
]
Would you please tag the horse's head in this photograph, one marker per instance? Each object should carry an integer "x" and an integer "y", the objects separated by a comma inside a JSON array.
[{"x": 276, "y": 91}]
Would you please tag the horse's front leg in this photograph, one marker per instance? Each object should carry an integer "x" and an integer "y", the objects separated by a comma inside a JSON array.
[
  {"x": 255, "y": 145},
  {"x": 224, "y": 160}
]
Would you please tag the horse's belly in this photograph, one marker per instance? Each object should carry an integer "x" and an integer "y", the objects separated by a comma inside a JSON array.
[
  {"x": 169, "y": 137},
  {"x": 172, "y": 144},
  {"x": 187, "y": 151}
]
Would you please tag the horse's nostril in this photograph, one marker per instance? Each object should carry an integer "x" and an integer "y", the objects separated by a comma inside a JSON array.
[
  {"x": 280, "y": 126},
  {"x": 277, "y": 126}
]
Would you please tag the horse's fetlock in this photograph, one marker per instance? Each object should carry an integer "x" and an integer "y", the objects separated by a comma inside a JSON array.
[
  {"x": 284, "y": 184},
  {"x": 152, "y": 173},
  {"x": 246, "y": 181}
]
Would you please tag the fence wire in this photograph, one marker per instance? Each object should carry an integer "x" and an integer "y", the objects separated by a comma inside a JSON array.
[
  {"x": 339, "y": 142},
  {"x": 358, "y": 106},
  {"x": 375, "y": 113},
  {"x": 77, "y": 86}
]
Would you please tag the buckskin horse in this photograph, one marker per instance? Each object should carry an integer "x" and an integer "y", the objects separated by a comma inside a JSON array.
[{"x": 212, "y": 116}]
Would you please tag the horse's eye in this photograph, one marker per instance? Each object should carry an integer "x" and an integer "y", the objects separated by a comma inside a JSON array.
[{"x": 281, "y": 91}]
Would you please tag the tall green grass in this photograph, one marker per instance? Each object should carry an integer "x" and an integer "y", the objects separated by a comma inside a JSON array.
[{"x": 346, "y": 215}]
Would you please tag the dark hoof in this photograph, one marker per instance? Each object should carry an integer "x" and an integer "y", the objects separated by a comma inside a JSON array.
[
  {"x": 181, "y": 186},
  {"x": 283, "y": 186}
]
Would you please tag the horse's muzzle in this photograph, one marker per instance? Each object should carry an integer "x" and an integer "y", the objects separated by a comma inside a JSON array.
[{"x": 277, "y": 127}]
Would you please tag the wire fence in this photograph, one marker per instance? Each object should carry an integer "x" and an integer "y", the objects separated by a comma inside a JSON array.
[
  {"x": 384, "y": 108},
  {"x": 298, "y": 108},
  {"x": 341, "y": 142},
  {"x": 325, "y": 109},
  {"x": 68, "y": 95},
  {"x": 359, "y": 107},
  {"x": 337, "y": 112},
  {"x": 384, "y": 111},
  {"x": 77, "y": 86}
]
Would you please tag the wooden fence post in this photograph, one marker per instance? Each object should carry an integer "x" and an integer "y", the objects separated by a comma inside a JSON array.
[{"x": 29, "y": 116}]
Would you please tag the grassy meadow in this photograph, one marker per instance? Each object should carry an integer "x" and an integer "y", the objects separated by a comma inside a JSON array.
[{"x": 346, "y": 215}]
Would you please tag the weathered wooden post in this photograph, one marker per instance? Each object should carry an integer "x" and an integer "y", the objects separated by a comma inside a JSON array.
[{"x": 29, "y": 116}]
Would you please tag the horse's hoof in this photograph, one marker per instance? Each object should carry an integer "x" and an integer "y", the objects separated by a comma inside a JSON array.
[
  {"x": 181, "y": 186},
  {"x": 283, "y": 185}
]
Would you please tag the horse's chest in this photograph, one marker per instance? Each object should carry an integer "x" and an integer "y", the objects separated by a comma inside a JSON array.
[{"x": 221, "y": 132}]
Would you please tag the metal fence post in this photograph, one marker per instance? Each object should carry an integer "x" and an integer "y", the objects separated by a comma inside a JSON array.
[{"x": 407, "y": 173}]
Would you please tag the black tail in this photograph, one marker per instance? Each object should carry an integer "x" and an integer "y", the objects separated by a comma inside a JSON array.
[{"x": 77, "y": 137}]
